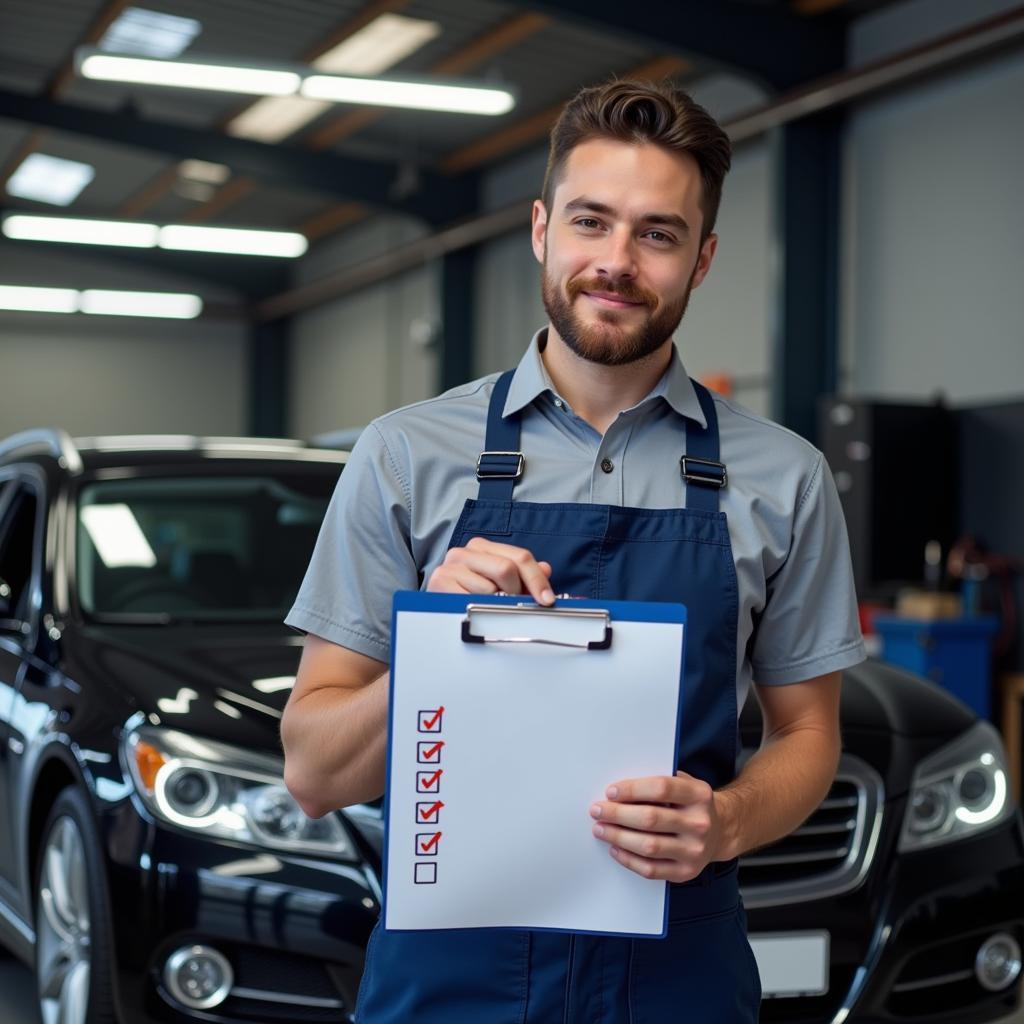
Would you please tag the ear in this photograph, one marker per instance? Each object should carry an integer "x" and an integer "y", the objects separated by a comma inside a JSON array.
[
  {"x": 539, "y": 229},
  {"x": 707, "y": 254}
]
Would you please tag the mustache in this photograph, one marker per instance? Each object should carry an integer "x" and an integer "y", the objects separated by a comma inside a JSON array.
[{"x": 625, "y": 290}]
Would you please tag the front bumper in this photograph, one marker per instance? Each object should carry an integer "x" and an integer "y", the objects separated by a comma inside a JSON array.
[
  {"x": 294, "y": 929},
  {"x": 903, "y": 945}
]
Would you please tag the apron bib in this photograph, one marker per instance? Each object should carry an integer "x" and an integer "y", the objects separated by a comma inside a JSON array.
[{"x": 704, "y": 971}]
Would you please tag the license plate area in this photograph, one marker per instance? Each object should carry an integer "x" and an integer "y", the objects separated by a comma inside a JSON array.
[{"x": 792, "y": 964}]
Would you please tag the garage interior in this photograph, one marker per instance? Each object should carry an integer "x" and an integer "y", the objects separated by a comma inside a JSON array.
[{"x": 866, "y": 292}]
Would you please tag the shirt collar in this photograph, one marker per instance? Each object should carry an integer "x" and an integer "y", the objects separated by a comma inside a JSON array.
[{"x": 531, "y": 380}]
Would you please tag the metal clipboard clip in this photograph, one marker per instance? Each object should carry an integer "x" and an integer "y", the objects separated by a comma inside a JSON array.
[{"x": 596, "y": 614}]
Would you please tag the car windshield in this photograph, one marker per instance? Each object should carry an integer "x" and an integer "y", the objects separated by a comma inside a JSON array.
[{"x": 198, "y": 547}]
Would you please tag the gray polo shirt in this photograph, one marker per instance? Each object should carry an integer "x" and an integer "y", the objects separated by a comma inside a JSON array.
[{"x": 403, "y": 489}]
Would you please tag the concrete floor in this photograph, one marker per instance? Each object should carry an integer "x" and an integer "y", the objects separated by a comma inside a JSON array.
[{"x": 17, "y": 1004}]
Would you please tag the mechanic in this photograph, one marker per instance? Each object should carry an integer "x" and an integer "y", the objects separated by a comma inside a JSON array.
[{"x": 746, "y": 531}]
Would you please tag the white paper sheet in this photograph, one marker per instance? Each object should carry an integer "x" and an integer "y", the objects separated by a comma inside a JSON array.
[{"x": 531, "y": 737}]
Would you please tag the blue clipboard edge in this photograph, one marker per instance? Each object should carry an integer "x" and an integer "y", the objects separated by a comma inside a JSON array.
[{"x": 624, "y": 611}]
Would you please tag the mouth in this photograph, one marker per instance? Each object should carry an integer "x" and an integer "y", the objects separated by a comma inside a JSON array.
[{"x": 609, "y": 300}]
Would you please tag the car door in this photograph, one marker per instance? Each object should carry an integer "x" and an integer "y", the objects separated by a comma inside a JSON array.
[{"x": 18, "y": 512}]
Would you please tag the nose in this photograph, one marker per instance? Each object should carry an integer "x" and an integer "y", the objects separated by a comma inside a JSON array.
[{"x": 617, "y": 260}]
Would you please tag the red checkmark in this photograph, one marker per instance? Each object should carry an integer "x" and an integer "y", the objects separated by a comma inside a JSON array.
[
  {"x": 426, "y": 813},
  {"x": 430, "y": 843},
  {"x": 430, "y": 781},
  {"x": 430, "y": 723},
  {"x": 433, "y": 751}
]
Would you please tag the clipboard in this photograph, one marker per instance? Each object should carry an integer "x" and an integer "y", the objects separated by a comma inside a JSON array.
[{"x": 506, "y": 721}]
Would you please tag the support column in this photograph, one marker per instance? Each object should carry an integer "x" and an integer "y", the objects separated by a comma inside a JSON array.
[
  {"x": 268, "y": 380},
  {"x": 807, "y": 232},
  {"x": 458, "y": 298}
]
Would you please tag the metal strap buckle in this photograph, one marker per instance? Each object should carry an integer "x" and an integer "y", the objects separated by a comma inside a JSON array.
[
  {"x": 484, "y": 473},
  {"x": 703, "y": 471}
]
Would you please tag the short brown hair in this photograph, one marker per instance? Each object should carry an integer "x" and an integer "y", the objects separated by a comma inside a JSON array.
[{"x": 659, "y": 113}]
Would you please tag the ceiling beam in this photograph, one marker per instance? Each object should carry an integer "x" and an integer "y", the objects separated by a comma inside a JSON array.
[
  {"x": 776, "y": 46},
  {"x": 536, "y": 127},
  {"x": 436, "y": 200}
]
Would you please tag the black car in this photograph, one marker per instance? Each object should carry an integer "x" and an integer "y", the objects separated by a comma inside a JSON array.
[{"x": 154, "y": 868}]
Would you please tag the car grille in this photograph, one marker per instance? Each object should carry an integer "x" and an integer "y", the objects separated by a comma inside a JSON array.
[{"x": 830, "y": 853}]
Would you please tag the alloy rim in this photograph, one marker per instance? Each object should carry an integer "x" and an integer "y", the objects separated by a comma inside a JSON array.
[{"x": 63, "y": 948}]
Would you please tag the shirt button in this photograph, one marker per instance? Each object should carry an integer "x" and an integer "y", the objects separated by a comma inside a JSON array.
[
  {"x": 558, "y": 403},
  {"x": 607, "y": 465}
]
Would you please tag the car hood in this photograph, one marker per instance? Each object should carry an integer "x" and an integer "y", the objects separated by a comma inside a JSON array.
[{"x": 227, "y": 683}]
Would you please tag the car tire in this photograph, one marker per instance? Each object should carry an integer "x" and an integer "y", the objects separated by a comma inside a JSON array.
[{"x": 74, "y": 933}]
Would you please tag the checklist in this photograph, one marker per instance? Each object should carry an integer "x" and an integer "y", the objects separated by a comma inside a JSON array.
[{"x": 499, "y": 744}]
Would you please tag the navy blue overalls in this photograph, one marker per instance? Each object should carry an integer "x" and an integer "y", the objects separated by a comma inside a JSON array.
[{"x": 704, "y": 971}]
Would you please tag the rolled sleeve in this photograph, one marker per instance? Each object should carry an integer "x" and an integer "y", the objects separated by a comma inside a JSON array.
[
  {"x": 809, "y": 626},
  {"x": 362, "y": 555}
]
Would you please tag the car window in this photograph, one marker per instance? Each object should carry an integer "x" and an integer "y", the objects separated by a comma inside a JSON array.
[
  {"x": 18, "y": 507},
  {"x": 225, "y": 548}
]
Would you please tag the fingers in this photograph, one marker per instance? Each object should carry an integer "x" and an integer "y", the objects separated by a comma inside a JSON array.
[
  {"x": 661, "y": 870},
  {"x": 504, "y": 567},
  {"x": 660, "y": 827},
  {"x": 679, "y": 789}
]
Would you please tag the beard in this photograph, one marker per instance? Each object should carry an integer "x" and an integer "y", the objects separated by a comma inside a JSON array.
[{"x": 611, "y": 341}]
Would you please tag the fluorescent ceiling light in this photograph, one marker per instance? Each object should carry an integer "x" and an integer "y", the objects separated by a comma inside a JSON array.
[
  {"x": 190, "y": 75},
  {"x": 240, "y": 241},
  {"x": 193, "y": 190},
  {"x": 84, "y": 232},
  {"x": 376, "y": 47},
  {"x": 49, "y": 179},
  {"x": 272, "y": 684},
  {"x": 38, "y": 300},
  {"x": 149, "y": 33},
  {"x": 117, "y": 536},
  {"x": 275, "y": 118},
  {"x": 187, "y": 237},
  {"x": 462, "y": 99},
  {"x": 166, "y": 305},
  {"x": 204, "y": 171}
]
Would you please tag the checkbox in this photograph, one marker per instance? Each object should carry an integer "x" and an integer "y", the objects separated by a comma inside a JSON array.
[
  {"x": 430, "y": 720},
  {"x": 425, "y": 873},
  {"x": 429, "y": 782},
  {"x": 429, "y": 751},
  {"x": 427, "y": 844},
  {"x": 428, "y": 813}
]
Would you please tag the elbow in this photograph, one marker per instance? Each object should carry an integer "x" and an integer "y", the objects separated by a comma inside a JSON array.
[{"x": 305, "y": 790}]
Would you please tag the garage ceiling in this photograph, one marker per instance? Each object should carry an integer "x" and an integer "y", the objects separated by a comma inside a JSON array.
[{"x": 545, "y": 50}]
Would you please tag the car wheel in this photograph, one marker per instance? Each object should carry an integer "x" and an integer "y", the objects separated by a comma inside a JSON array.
[{"x": 73, "y": 928}]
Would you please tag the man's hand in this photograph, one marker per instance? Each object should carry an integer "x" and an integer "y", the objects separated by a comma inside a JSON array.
[
  {"x": 485, "y": 567},
  {"x": 663, "y": 827}
]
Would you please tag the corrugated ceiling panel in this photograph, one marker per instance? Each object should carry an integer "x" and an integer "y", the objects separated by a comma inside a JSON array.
[{"x": 37, "y": 36}]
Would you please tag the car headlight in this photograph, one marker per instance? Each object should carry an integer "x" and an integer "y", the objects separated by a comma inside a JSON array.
[
  {"x": 227, "y": 792},
  {"x": 958, "y": 791}
]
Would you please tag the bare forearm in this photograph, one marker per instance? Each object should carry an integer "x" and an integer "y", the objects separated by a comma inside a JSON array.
[
  {"x": 335, "y": 743},
  {"x": 778, "y": 789}
]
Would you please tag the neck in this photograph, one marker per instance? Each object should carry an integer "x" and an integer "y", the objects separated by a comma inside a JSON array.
[{"x": 598, "y": 393}]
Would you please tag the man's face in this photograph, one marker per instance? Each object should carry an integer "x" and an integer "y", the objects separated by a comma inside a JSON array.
[{"x": 621, "y": 248}]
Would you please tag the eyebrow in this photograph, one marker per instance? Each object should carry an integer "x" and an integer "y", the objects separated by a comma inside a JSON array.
[{"x": 581, "y": 204}]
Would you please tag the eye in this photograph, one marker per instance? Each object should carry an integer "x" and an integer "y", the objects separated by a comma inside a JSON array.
[
  {"x": 660, "y": 237},
  {"x": 587, "y": 223}
]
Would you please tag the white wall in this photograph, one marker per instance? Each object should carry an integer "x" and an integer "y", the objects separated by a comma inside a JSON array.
[
  {"x": 932, "y": 221},
  {"x": 103, "y": 375},
  {"x": 363, "y": 354}
]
